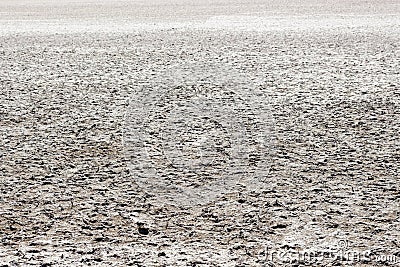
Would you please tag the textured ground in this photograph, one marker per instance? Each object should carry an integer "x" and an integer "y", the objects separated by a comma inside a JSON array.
[{"x": 70, "y": 72}]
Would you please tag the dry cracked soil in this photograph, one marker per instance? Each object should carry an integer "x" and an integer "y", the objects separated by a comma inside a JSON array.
[{"x": 119, "y": 122}]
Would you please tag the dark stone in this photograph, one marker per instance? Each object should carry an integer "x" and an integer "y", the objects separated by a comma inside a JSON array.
[
  {"x": 279, "y": 226},
  {"x": 143, "y": 231},
  {"x": 101, "y": 239}
]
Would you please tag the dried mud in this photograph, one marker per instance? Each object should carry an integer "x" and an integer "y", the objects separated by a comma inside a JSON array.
[{"x": 69, "y": 198}]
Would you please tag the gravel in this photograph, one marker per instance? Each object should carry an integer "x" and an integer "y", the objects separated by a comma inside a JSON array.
[{"x": 328, "y": 76}]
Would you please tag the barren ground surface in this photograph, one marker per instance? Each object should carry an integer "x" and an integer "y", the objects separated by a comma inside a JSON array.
[{"x": 73, "y": 75}]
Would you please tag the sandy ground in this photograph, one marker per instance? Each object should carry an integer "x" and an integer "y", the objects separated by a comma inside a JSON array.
[{"x": 73, "y": 80}]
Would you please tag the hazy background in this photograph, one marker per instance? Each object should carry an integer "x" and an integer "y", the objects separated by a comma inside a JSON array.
[{"x": 67, "y": 16}]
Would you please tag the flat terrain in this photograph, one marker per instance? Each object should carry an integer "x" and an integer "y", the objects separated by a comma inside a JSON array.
[{"x": 79, "y": 104}]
